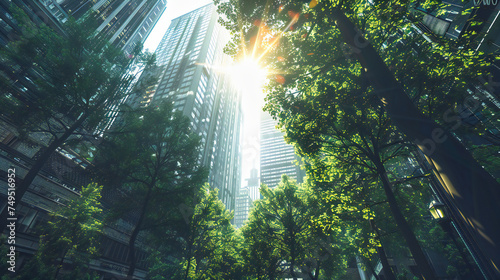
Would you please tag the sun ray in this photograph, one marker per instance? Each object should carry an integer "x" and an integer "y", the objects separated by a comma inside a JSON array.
[
  {"x": 240, "y": 27},
  {"x": 282, "y": 32},
  {"x": 261, "y": 25},
  {"x": 257, "y": 52}
]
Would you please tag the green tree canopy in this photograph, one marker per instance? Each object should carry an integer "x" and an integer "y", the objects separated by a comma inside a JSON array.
[
  {"x": 153, "y": 161},
  {"x": 319, "y": 50},
  {"x": 211, "y": 243},
  {"x": 282, "y": 240},
  {"x": 56, "y": 88},
  {"x": 71, "y": 236}
]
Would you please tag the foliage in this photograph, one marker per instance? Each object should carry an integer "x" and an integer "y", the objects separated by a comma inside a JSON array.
[
  {"x": 280, "y": 238},
  {"x": 153, "y": 152},
  {"x": 211, "y": 243},
  {"x": 71, "y": 236},
  {"x": 333, "y": 108},
  {"x": 62, "y": 78},
  {"x": 302, "y": 47},
  {"x": 163, "y": 268},
  {"x": 152, "y": 160},
  {"x": 57, "y": 87},
  {"x": 489, "y": 156}
]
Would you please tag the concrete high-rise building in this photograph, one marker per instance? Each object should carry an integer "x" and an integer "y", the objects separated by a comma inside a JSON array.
[
  {"x": 246, "y": 196},
  {"x": 471, "y": 24},
  {"x": 243, "y": 205},
  {"x": 128, "y": 23},
  {"x": 122, "y": 23},
  {"x": 276, "y": 156},
  {"x": 253, "y": 185},
  {"x": 125, "y": 23},
  {"x": 188, "y": 59}
]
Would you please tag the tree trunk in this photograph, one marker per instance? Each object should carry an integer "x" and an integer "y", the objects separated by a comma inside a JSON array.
[
  {"x": 198, "y": 266},
  {"x": 425, "y": 269},
  {"x": 135, "y": 233},
  {"x": 271, "y": 272},
  {"x": 472, "y": 190},
  {"x": 271, "y": 276},
  {"x": 292, "y": 261},
  {"x": 188, "y": 264},
  {"x": 369, "y": 265},
  {"x": 61, "y": 263},
  {"x": 316, "y": 272},
  {"x": 389, "y": 275},
  {"x": 24, "y": 184},
  {"x": 381, "y": 254}
]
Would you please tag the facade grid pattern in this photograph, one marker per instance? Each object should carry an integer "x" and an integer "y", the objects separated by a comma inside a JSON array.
[{"x": 187, "y": 58}]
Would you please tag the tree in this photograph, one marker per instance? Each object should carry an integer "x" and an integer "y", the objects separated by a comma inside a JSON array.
[
  {"x": 210, "y": 245},
  {"x": 286, "y": 210},
  {"x": 62, "y": 88},
  {"x": 313, "y": 47},
  {"x": 281, "y": 238},
  {"x": 261, "y": 257},
  {"x": 352, "y": 135},
  {"x": 152, "y": 159},
  {"x": 331, "y": 237},
  {"x": 162, "y": 267},
  {"x": 71, "y": 236}
]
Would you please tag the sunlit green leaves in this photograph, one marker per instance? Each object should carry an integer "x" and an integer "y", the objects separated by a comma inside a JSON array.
[{"x": 72, "y": 235}]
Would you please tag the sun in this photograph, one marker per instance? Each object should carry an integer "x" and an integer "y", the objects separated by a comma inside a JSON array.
[{"x": 248, "y": 75}]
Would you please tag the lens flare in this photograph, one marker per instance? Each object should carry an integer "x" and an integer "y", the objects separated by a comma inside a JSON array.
[{"x": 248, "y": 75}]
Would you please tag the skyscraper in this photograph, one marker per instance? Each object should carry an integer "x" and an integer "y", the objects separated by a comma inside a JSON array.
[
  {"x": 123, "y": 23},
  {"x": 188, "y": 57},
  {"x": 127, "y": 23},
  {"x": 276, "y": 156},
  {"x": 253, "y": 185},
  {"x": 243, "y": 204},
  {"x": 472, "y": 24},
  {"x": 246, "y": 196}
]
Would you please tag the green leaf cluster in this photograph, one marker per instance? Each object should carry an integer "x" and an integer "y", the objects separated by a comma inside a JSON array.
[{"x": 70, "y": 238}]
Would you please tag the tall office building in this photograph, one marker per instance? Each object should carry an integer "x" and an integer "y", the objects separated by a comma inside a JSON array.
[
  {"x": 253, "y": 185},
  {"x": 188, "y": 59},
  {"x": 246, "y": 196},
  {"x": 127, "y": 23},
  {"x": 276, "y": 156},
  {"x": 472, "y": 24},
  {"x": 124, "y": 23},
  {"x": 243, "y": 205}
]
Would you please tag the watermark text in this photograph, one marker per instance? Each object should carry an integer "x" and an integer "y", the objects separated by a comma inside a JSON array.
[{"x": 11, "y": 219}]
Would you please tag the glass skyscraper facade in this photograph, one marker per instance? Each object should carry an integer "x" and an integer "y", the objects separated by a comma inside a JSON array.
[
  {"x": 276, "y": 156},
  {"x": 243, "y": 205},
  {"x": 123, "y": 22},
  {"x": 245, "y": 198},
  {"x": 127, "y": 23},
  {"x": 189, "y": 59}
]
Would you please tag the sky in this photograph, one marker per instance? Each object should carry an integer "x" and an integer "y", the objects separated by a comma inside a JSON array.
[
  {"x": 252, "y": 100},
  {"x": 175, "y": 8}
]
